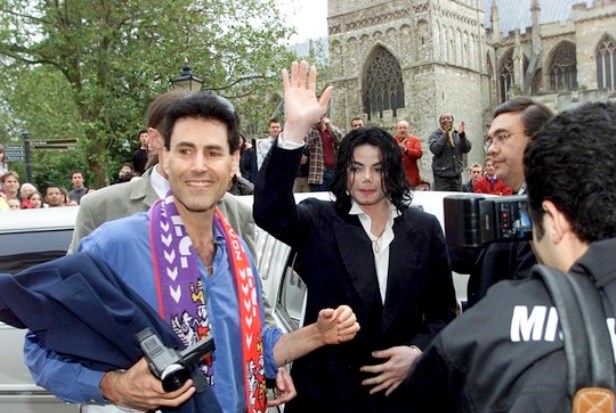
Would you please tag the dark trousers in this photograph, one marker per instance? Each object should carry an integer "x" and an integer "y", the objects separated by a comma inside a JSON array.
[
  {"x": 447, "y": 184},
  {"x": 328, "y": 177}
]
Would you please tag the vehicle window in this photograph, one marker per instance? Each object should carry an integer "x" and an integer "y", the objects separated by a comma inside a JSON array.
[
  {"x": 271, "y": 254},
  {"x": 24, "y": 249},
  {"x": 292, "y": 294}
]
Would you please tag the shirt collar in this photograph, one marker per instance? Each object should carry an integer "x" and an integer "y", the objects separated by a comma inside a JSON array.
[
  {"x": 159, "y": 183},
  {"x": 356, "y": 210}
]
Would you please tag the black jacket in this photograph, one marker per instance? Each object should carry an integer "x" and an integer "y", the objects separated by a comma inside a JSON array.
[
  {"x": 496, "y": 262},
  {"x": 248, "y": 164},
  {"x": 337, "y": 265},
  {"x": 505, "y": 354}
]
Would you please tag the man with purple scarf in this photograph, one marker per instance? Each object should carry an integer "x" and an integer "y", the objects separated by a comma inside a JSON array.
[{"x": 186, "y": 262}]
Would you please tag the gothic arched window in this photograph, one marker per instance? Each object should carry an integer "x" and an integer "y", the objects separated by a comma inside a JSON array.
[
  {"x": 606, "y": 63},
  {"x": 383, "y": 88},
  {"x": 563, "y": 69},
  {"x": 505, "y": 76}
]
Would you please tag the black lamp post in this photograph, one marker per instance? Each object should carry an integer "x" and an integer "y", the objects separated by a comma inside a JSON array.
[
  {"x": 28, "y": 155},
  {"x": 187, "y": 80}
]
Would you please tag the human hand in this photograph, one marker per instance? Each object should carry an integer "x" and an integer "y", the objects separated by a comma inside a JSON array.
[
  {"x": 390, "y": 374},
  {"x": 304, "y": 160},
  {"x": 402, "y": 147},
  {"x": 137, "y": 388},
  {"x": 285, "y": 389},
  {"x": 337, "y": 326},
  {"x": 301, "y": 107},
  {"x": 461, "y": 127}
]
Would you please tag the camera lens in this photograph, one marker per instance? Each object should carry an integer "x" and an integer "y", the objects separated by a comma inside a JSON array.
[{"x": 174, "y": 377}]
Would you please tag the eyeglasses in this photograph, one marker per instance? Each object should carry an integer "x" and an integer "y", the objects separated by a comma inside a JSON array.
[{"x": 500, "y": 139}]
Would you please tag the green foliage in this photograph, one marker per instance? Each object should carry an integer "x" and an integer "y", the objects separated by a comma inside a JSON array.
[{"x": 88, "y": 70}]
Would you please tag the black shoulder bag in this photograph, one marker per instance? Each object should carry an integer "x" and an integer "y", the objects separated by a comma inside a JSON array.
[{"x": 588, "y": 348}]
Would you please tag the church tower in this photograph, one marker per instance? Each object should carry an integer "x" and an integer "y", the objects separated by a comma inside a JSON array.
[{"x": 393, "y": 60}]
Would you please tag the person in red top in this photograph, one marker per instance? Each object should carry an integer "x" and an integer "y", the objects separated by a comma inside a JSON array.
[
  {"x": 490, "y": 183},
  {"x": 410, "y": 147}
]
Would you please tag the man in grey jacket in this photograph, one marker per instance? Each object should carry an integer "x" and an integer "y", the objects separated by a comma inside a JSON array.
[{"x": 448, "y": 145}]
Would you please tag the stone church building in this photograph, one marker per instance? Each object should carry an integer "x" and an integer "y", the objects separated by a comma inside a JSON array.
[{"x": 393, "y": 60}]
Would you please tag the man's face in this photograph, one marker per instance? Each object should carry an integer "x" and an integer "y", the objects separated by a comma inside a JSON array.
[
  {"x": 365, "y": 176},
  {"x": 357, "y": 123},
  {"x": 446, "y": 122},
  {"x": 402, "y": 129},
  {"x": 274, "y": 129},
  {"x": 10, "y": 186},
  {"x": 322, "y": 123},
  {"x": 125, "y": 172},
  {"x": 77, "y": 180},
  {"x": 198, "y": 163},
  {"x": 508, "y": 141},
  {"x": 490, "y": 168},
  {"x": 475, "y": 173},
  {"x": 143, "y": 139},
  {"x": 54, "y": 197}
]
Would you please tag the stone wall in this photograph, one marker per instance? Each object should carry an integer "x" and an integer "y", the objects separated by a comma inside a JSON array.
[
  {"x": 451, "y": 64},
  {"x": 439, "y": 47}
]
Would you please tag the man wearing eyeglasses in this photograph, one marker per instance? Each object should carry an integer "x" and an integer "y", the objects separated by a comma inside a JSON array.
[{"x": 513, "y": 125}]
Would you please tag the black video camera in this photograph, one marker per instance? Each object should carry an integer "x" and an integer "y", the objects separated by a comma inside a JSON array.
[
  {"x": 172, "y": 367},
  {"x": 475, "y": 220}
]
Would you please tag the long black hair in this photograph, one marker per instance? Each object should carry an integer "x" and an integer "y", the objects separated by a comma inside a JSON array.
[{"x": 395, "y": 185}]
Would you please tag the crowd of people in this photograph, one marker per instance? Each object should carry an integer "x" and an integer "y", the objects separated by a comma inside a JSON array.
[
  {"x": 15, "y": 196},
  {"x": 447, "y": 144},
  {"x": 382, "y": 329}
]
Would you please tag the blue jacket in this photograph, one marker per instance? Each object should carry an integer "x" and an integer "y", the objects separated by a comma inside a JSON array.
[
  {"x": 124, "y": 245},
  {"x": 50, "y": 299}
]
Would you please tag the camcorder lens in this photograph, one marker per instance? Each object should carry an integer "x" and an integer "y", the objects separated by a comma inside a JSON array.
[{"x": 174, "y": 379}]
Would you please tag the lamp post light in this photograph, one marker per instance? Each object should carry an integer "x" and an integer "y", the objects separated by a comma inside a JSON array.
[{"x": 187, "y": 80}]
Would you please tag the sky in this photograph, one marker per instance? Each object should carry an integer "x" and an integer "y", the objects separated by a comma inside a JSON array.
[{"x": 309, "y": 17}]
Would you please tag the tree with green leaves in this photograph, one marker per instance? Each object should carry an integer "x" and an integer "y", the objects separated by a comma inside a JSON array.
[{"x": 88, "y": 69}]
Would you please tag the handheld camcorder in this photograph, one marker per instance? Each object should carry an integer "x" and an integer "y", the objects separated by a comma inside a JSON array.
[
  {"x": 475, "y": 220},
  {"x": 172, "y": 367}
]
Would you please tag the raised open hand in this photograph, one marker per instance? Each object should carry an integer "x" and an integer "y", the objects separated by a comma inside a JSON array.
[{"x": 301, "y": 107}]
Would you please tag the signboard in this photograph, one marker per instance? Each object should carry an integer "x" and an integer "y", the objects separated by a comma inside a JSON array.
[
  {"x": 15, "y": 152},
  {"x": 55, "y": 144}
]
